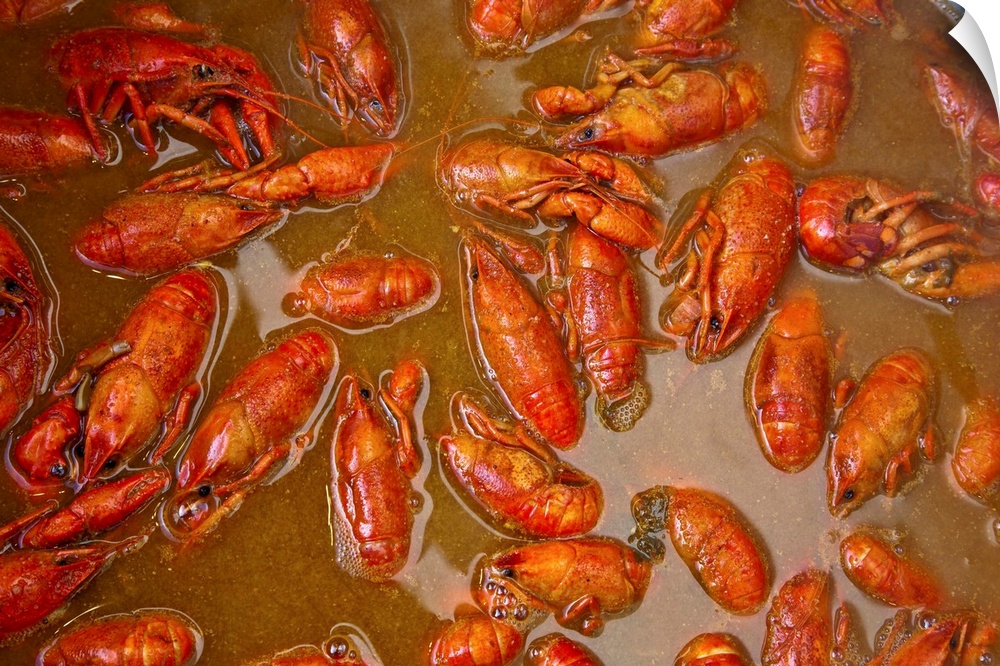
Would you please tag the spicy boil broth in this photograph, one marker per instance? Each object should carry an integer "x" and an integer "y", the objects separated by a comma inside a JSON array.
[{"x": 266, "y": 580}]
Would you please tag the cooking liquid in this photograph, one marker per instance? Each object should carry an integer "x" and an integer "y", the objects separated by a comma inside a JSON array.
[{"x": 266, "y": 580}]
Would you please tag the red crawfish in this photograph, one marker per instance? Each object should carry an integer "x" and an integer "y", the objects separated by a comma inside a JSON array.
[
  {"x": 150, "y": 234},
  {"x": 344, "y": 47},
  {"x": 799, "y": 630},
  {"x": 582, "y": 581},
  {"x": 475, "y": 639},
  {"x": 558, "y": 650},
  {"x": 822, "y": 96},
  {"x": 37, "y": 143},
  {"x": 598, "y": 291},
  {"x": 23, "y": 12},
  {"x": 743, "y": 238},
  {"x": 331, "y": 176},
  {"x": 149, "y": 378},
  {"x": 787, "y": 392},
  {"x": 374, "y": 459},
  {"x": 158, "y": 17},
  {"x": 676, "y": 108},
  {"x": 249, "y": 431},
  {"x": 880, "y": 569},
  {"x": 683, "y": 29},
  {"x": 853, "y": 14},
  {"x": 25, "y": 355},
  {"x": 965, "y": 108},
  {"x": 493, "y": 176},
  {"x": 366, "y": 290},
  {"x": 713, "y": 649},
  {"x": 932, "y": 641},
  {"x": 712, "y": 539},
  {"x": 108, "y": 71},
  {"x": 36, "y": 584},
  {"x": 519, "y": 347},
  {"x": 976, "y": 463},
  {"x": 148, "y": 636},
  {"x": 97, "y": 510},
  {"x": 40, "y": 456},
  {"x": 888, "y": 417},
  {"x": 507, "y": 27},
  {"x": 854, "y": 225},
  {"x": 525, "y": 489}
]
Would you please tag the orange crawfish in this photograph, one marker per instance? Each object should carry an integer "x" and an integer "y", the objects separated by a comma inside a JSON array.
[
  {"x": 854, "y": 224},
  {"x": 517, "y": 481},
  {"x": 877, "y": 569},
  {"x": 713, "y": 650},
  {"x": 879, "y": 429},
  {"x": 144, "y": 373},
  {"x": 799, "y": 630},
  {"x": 35, "y": 585},
  {"x": 734, "y": 266},
  {"x": 40, "y": 457},
  {"x": 159, "y": 76},
  {"x": 505, "y": 27},
  {"x": 25, "y": 355},
  {"x": 366, "y": 290},
  {"x": 712, "y": 539},
  {"x": 249, "y": 431},
  {"x": 475, "y": 639},
  {"x": 582, "y": 581},
  {"x": 36, "y": 142},
  {"x": 967, "y": 109},
  {"x": 373, "y": 466},
  {"x": 629, "y": 113},
  {"x": 788, "y": 385},
  {"x": 344, "y": 47},
  {"x": 598, "y": 292},
  {"x": 558, "y": 650},
  {"x": 605, "y": 194},
  {"x": 962, "y": 637},
  {"x": 149, "y": 636},
  {"x": 855, "y": 14},
  {"x": 976, "y": 463},
  {"x": 519, "y": 347},
  {"x": 822, "y": 96},
  {"x": 683, "y": 29}
]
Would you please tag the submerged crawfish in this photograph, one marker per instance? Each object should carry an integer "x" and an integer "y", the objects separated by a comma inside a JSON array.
[
  {"x": 505, "y": 27},
  {"x": 683, "y": 29},
  {"x": 743, "y": 240},
  {"x": 854, "y": 224},
  {"x": 629, "y": 113},
  {"x": 799, "y": 630},
  {"x": 855, "y": 14}
]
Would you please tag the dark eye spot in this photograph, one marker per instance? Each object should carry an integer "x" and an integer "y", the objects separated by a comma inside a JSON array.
[
  {"x": 203, "y": 71},
  {"x": 715, "y": 324},
  {"x": 474, "y": 274},
  {"x": 205, "y": 490},
  {"x": 849, "y": 494},
  {"x": 366, "y": 394},
  {"x": 587, "y": 134},
  {"x": 58, "y": 470},
  {"x": 11, "y": 286},
  {"x": 508, "y": 573},
  {"x": 375, "y": 106},
  {"x": 79, "y": 450},
  {"x": 110, "y": 464}
]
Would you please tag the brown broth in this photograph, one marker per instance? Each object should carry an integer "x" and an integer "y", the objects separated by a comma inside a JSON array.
[{"x": 266, "y": 580}]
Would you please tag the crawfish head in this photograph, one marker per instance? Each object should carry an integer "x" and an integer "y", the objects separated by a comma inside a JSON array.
[
  {"x": 504, "y": 599},
  {"x": 851, "y": 480}
]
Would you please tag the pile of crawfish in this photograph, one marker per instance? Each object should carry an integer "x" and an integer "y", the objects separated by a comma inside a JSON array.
[{"x": 123, "y": 442}]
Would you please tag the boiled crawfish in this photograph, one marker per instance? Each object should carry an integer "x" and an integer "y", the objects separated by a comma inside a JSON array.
[
  {"x": 145, "y": 373},
  {"x": 25, "y": 355},
  {"x": 148, "y": 636},
  {"x": 788, "y": 385},
  {"x": 976, "y": 463},
  {"x": 249, "y": 431},
  {"x": 822, "y": 97},
  {"x": 506, "y": 27},
  {"x": 676, "y": 108},
  {"x": 799, "y": 630},
  {"x": 106, "y": 70},
  {"x": 558, "y": 650},
  {"x": 519, "y": 347},
  {"x": 712, "y": 539},
  {"x": 366, "y": 290},
  {"x": 597, "y": 292},
  {"x": 683, "y": 29},
  {"x": 965, "y": 108},
  {"x": 36, "y": 584},
  {"x": 344, "y": 47},
  {"x": 473, "y": 638},
  {"x": 960, "y": 637},
  {"x": 854, "y": 224},
  {"x": 713, "y": 649},
  {"x": 582, "y": 581},
  {"x": 37, "y": 143},
  {"x": 879, "y": 430},
  {"x": 743, "y": 240},
  {"x": 880, "y": 570},
  {"x": 374, "y": 463},
  {"x": 854, "y": 14},
  {"x": 494, "y": 176},
  {"x": 524, "y": 488}
]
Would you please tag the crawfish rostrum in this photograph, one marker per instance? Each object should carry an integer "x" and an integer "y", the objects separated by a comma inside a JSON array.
[{"x": 208, "y": 205}]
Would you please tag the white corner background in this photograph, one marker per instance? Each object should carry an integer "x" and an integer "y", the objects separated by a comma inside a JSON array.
[{"x": 979, "y": 33}]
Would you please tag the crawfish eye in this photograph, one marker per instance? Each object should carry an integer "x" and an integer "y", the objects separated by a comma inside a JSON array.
[
  {"x": 366, "y": 394},
  {"x": 587, "y": 134},
  {"x": 375, "y": 106},
  {"x": 715, "y": 324},
  {"x": 475, "y": 274},
  {"x": 58, "y": 470},
  {"x": 508, "y": 573},
  {"x": 110, "y": 463},
  {"x": 203, "y": 71},
  {"x": 205, "y": 490},
  {"x": 849, "y": 494},
  {"x": 79, "y": 450},
  {"x": 11, "y": 286}
]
